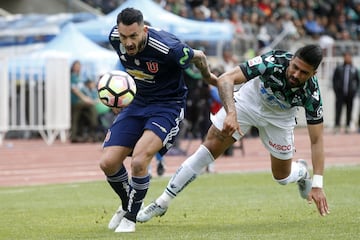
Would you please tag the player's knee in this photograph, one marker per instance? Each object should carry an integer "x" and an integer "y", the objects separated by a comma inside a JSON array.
[
  {"x": 104, "y": 166},
  {"x": 139, "y": 166},
  {"x": 108, "y": 166}
]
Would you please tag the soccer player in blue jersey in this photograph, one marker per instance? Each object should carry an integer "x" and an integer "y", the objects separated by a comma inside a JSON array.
[
  {"x": 156, "y": 60},
  {"x": 275, "y": 84}
]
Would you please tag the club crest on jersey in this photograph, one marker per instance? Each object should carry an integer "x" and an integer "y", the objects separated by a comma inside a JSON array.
[
  {"x": 153, "y": 67},
  {"x": 296, "y": 99}
]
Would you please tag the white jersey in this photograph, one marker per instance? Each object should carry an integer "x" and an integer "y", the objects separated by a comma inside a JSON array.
[{"x": 253, "y": 97}]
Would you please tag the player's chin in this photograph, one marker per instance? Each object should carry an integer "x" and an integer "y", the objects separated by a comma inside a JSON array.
[
  {"x": 294, "y": 82},
  {"x": 131, "y": 52}
]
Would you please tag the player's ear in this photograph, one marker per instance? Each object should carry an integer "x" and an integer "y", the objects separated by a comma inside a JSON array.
[{"x": 146, "y": 28}]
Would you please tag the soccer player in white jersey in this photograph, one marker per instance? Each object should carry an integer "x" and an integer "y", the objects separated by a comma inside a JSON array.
[
  {"x": 156, "y": 60},
  {"x": 274, "y": 85}
]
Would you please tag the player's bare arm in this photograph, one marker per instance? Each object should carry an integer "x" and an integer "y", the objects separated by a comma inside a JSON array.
[
  {"x": 202, "y": 64},
  {"x": 317, "y": 147},
  {"x": 226, "y": 84},
  {"x": 317, "y": 154},
  {"x": 226, "y": 90}
]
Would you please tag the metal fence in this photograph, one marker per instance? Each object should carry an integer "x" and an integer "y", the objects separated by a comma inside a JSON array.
[
  {"x": 38, "y": 99},
  {"x": 35, "y": 99}
]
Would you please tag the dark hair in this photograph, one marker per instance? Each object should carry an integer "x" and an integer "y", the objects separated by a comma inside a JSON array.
[
  {"x": 73, "y": 65},
  {"x": 129, "y": 16},
  {"x": 311, "y": 54},
  {"x": 147, "y": 23}
]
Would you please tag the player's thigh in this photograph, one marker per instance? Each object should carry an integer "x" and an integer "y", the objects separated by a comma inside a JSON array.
[
  {"x": 243, "y": 118},
  {"x": 278, "y": 141},
  {"x": 165, "y": 127},
  {"x": 147, "y": 146},
  {"x": 125, "y": 131}
]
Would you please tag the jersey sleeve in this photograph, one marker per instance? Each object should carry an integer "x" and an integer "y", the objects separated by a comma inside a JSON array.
[
  {"x": 114, "y": 39},
  {"x": 256, "y": 66},
  {"x": 313, "y": 106},
  {"x": 182, "y": 54}
]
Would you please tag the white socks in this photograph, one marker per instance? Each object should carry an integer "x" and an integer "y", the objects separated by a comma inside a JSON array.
[
  {"x": 295, "y": 174},
  {"x": 185, "y": 174}
]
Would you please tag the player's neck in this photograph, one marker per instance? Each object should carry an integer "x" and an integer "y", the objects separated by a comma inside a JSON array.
[{"x": 143, "y": 43}]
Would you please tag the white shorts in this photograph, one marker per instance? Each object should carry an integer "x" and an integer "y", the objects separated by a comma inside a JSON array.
[{"x": 277, "y": 134}]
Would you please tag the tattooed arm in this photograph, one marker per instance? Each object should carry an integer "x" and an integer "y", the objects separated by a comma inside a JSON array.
[
  {"x": 226, "y": 90},
  {"x": 202, "y": 64}
]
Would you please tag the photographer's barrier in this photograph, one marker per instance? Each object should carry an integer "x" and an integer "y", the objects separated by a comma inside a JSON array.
[{"x": 35, "y": 98}]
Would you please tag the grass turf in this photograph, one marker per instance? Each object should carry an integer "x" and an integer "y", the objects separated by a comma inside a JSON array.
[{"x": 216, "y": 206}]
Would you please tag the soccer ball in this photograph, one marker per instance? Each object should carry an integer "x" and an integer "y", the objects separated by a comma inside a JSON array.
[{"x": 116, "y": 89}]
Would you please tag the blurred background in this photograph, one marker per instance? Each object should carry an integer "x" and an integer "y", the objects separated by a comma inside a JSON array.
[{"x": 39, "y": 40}]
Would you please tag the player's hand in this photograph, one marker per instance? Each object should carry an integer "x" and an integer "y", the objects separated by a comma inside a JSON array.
[
  {"x": 231, "y": 125},
  {"x": 318, "y": 196},
  {"x": 212, "y": 79}
]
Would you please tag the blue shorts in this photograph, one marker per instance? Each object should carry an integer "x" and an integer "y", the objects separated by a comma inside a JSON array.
[{"x": 130, "y": 124}]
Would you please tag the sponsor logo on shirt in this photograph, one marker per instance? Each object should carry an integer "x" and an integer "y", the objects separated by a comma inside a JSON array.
[
  {"x": 255, "y": 61},
  {"x": 270, "y": 58}
]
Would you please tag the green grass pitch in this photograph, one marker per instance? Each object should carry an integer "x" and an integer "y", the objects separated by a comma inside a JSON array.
[{"x": 215, "y": 206}]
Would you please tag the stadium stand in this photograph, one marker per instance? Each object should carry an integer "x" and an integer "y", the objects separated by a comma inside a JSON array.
[{"x": 259, "y": 24}]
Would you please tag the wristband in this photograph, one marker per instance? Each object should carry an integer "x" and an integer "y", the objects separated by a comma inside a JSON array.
[{"x": 317, "y": 181}]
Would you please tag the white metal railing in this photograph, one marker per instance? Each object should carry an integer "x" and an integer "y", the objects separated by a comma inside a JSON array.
[
  {"x": 4, "y": 99},
  {"x": 35, "y": 99},
  {"x": 38, "y": 99}
]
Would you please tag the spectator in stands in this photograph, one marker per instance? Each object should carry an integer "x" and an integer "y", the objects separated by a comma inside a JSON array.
[
  {"x": 104, "y": 113},
  {"x": 345, "y": 84},
  {"x": 229, "y": 59},
  {"x": 82, "y": 107}
]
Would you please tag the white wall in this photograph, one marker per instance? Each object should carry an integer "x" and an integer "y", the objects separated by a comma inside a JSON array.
[{"x": 325, "y": 73}]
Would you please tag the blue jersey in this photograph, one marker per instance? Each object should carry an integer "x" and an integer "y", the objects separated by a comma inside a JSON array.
[{"x": 158, "y": 68}]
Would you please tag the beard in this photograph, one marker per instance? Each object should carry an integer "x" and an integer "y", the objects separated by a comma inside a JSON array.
[
  {"x": 136, "y": 48},
  {"x": 293, "y": 82}
]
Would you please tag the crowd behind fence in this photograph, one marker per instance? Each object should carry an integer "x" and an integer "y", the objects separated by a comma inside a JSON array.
[{"x": 40, "y": 100}]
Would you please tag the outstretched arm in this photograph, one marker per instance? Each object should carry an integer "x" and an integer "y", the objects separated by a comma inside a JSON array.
[
  {"x": 317, "y": 155},
  {"x": 202, "y": 64}
]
